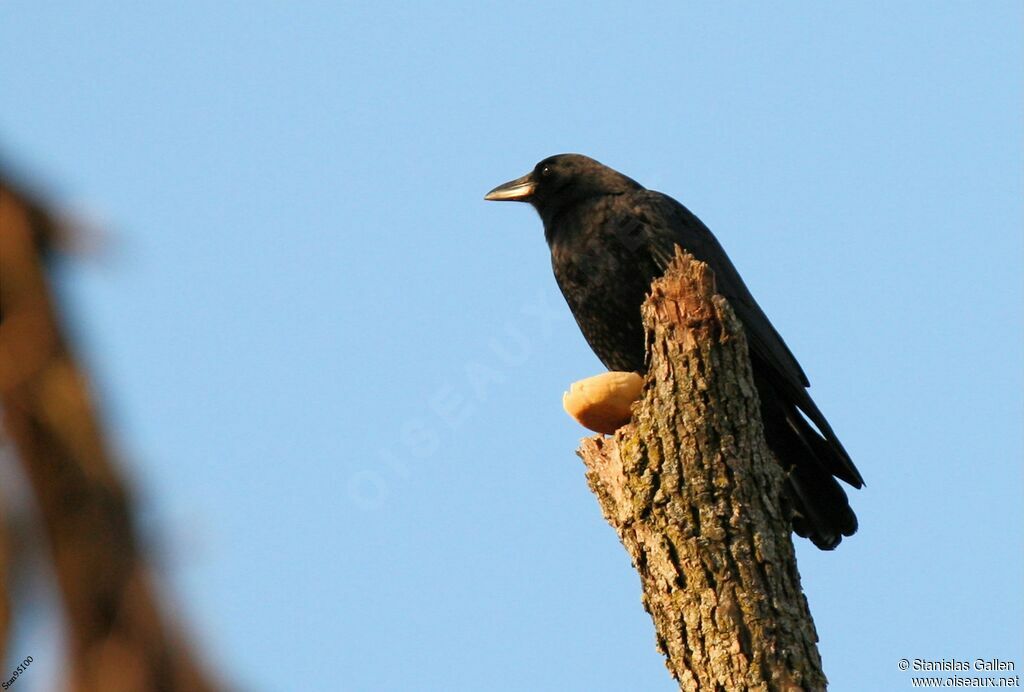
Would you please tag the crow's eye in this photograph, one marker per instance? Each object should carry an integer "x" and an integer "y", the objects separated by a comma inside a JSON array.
[{"x": 545, "y": 172}]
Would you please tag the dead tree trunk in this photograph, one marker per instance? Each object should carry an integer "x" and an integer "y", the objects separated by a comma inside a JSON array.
[{"x": 694, "y": 494}]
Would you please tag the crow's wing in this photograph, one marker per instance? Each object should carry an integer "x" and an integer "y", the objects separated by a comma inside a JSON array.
[{"x": 665, "y": 223}]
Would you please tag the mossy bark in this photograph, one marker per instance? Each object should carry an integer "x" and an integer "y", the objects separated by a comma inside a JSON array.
[{"x": 695, "y": 496}]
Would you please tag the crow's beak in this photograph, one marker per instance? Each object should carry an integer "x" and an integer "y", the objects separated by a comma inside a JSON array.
[{"x": 518, "y": 190}]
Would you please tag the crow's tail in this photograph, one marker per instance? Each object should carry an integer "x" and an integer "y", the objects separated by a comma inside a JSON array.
[{"x": 821, "y": 510}]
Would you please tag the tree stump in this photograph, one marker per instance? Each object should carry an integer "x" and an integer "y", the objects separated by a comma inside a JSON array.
[{"x": 695, "y": 496}]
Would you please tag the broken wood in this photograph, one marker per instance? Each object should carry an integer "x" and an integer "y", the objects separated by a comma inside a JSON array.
[{"x": 695, "y": 496}]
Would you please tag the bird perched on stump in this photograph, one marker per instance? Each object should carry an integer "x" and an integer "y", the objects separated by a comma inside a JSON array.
[{"x": 610, "y": 237}]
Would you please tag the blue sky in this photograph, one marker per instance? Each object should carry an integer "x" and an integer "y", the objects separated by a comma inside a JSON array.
[{"x": 335, "y": 373}]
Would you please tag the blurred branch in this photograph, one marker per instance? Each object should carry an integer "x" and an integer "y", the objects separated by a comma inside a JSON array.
[
  {"x": 694, "y": 494},
  {"x": 5, "y": 579},
  {"x": 119, "y": 639}
]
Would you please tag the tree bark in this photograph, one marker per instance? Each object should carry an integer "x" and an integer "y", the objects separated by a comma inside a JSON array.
[
  {"x": 119, "y": 637},
  {"x": 695, "y": 496}
]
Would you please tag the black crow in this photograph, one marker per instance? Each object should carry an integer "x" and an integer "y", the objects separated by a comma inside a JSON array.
[{"x": 610, "y": 238}]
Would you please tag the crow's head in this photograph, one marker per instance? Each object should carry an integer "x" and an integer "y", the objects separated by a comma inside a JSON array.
[{"x": 558, "y": 182}]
